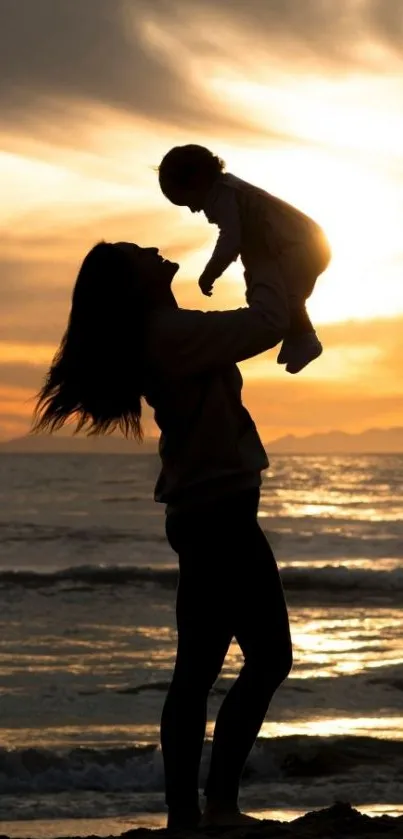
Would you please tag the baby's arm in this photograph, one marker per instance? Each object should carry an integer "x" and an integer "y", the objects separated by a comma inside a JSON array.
[{"x": 225, "y": 214}]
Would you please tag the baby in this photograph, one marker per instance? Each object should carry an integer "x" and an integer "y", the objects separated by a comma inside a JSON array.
[{"x": 268, "y": 234}]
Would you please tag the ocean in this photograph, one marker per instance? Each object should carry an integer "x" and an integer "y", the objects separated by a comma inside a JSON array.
[{"x": 87, "y": 594}]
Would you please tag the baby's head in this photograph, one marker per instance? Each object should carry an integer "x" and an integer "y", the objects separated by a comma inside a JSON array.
[{"x": 187, "y": 173}]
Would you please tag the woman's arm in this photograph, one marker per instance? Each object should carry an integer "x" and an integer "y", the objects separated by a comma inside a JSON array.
[{"x": 184, "y": 342}]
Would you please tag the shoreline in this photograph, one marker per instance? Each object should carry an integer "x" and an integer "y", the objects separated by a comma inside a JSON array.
[{"x": 340, "y": 821}]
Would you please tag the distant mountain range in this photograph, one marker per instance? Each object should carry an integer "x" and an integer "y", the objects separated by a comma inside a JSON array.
[
  {"x": 80, "y": 444},
  {"x": 374, "y": 440}
]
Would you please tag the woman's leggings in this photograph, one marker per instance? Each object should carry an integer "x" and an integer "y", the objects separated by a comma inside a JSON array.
[{"x": 229, "y": 586}]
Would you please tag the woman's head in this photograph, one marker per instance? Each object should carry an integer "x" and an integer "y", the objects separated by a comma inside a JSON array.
[
  {"x": 97, "y": 375},
  {"x": 186, "y": 174}
]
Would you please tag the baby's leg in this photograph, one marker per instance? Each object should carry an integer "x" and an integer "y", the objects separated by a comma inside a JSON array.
[
  {"x": 300, "y": 322},
  {"x": 301, "y": 346}
]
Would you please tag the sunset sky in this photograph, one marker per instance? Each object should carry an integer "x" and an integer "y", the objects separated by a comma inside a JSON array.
[{"x": 303, "y": 97}]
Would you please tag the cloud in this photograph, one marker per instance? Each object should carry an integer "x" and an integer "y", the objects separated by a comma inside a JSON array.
[
  {"x": 79, "y": 50},
  {"x": 62, "y": 239},
  {"x": 317, "y": 29},
  {"x": 385, "y": 20},
  {"x": 34, "y": 301},
  {"x": 40, "y": 256},
  {"x": 22, "y": 376},
  {"x": 385, "y": 368},
  {"x": 366, "y": 393},
  {"x": 303, "y": 407},
  {"x": 16, "y": 407},
  {"x": 69, "y": 52},
  {"x": 149, "y": 57},
  {"x": 37, "y": 272}
]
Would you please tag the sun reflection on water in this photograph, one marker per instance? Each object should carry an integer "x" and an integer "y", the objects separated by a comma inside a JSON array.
[
  {"x": 330, "y": 644},
  {"x": 327, "y": 643},
  {"x": 333, "y": 486},
  {"x": 375, "y": 726}
]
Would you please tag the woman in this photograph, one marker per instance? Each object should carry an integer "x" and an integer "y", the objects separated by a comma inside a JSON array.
[{"x": 127, "y": 339}]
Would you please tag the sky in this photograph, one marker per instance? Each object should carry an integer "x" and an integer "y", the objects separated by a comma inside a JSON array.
[{"x": 301, "y": 98}]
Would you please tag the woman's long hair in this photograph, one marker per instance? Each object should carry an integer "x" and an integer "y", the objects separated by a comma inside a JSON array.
[{"x": 96, "y": 376}]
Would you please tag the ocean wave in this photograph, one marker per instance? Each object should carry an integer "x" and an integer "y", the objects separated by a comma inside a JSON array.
[
  {"x": 140, "y": 769},
  {"x": 91, "y": 575},
  {"x": 327, "y": 539},
  {"x": 342, "y": 579},
  {"x": 310, "y": 537},
  {"x": 33, "y": 532},
  {"x": 332, "y": 580}
]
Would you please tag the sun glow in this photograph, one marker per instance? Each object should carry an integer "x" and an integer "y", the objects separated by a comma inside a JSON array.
[
  {"x": 335, "y": 157},
  {"x": 362, "y": 214}
]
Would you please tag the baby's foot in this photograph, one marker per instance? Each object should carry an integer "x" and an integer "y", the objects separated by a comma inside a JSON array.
[
  {"x": 283, "y": 355},
  {"x": 301, "y": 351}
]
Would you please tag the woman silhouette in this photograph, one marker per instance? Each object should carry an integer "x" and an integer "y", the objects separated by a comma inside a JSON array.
[{"x": 127, "y": 339}]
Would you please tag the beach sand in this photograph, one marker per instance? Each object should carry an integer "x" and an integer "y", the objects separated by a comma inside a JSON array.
[{"x": 340, "y": 820}]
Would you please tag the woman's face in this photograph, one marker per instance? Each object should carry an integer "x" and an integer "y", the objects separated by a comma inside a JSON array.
[{"x": 152, "y": 271}]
